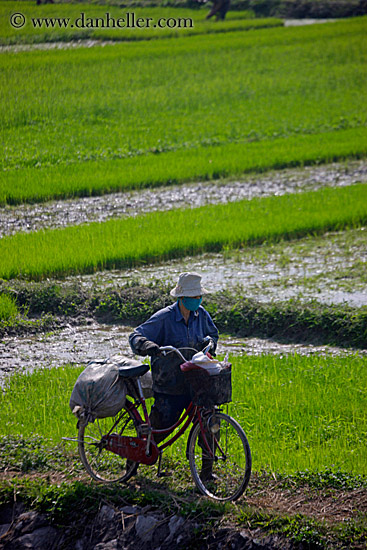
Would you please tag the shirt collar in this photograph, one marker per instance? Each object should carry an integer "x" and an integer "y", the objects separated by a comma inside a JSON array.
[{"x": 178, "y": 314}]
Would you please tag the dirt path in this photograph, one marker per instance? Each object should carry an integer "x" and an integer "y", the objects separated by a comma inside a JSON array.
[
  {"x": 62, "y": 213},
  {"x": 328, "y": 504}
]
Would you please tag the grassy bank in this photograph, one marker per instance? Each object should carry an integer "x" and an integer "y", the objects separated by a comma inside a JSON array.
[
  {"x": 50, "y": 304},
  {"x": 8, "y": 308},
  {"x": 298, "y": 412},
  {"x": 293, "y": 322},
  {"x": 164, "y": 235},
  {"x": 74, "y": 507},
  {"x": 296, "y": 96}
]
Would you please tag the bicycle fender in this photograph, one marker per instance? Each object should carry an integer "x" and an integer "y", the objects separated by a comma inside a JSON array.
[{"x": 189, "y": 438}]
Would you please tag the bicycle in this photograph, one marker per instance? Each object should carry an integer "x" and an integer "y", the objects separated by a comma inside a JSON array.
[{"x": 111, "y": 449}]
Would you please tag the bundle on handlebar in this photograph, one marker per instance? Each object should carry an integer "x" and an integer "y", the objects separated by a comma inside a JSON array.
[{"x": 207, "y": 389}]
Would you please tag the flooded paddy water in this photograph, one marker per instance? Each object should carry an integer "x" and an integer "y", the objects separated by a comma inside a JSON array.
[
  {"x": 61, "y": 213},
  {"x": 330, "y": 268},
  {"x": 80, "y": 344}
]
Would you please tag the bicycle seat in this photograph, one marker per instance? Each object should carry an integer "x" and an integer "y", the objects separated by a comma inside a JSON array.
[{"x": 131, "y": 371}]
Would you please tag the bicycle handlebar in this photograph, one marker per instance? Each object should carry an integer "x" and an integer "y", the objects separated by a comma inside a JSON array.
[{"x": 168, "y": 349}]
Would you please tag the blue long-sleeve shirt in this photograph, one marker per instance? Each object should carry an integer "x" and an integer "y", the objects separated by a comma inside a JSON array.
[{"x": 167, "y": 327}]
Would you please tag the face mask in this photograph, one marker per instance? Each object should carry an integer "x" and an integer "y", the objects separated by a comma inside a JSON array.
[{"x": 192, "y": 304}]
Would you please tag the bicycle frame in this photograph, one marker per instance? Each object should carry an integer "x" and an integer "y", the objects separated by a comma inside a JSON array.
[
  {"x": 191, "y": 414},
  {"x": 217, "y": 448},
  {"x": 143, "y": 448}
]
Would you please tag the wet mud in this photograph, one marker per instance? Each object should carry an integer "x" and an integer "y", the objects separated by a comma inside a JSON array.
[
  {"x": 73, "y": 344},
  {"x": 62, "y": 213},
  {"x": 72, "y": 44},
  {"x": 80, "y": 344},
  {"x": 302, "y": 22},
  {"x": 330, "y": 269}
]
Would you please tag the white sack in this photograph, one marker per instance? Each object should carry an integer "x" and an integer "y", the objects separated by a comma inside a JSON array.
[{"x": 99, "y": 391}]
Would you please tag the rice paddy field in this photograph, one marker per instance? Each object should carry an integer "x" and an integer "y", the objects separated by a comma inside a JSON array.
[
  {"x": 174, "y": 22},
  {"x": 286, "y": 105},
  {"x": 298, "y": 412},
  {"x": 236, "y": 107}
]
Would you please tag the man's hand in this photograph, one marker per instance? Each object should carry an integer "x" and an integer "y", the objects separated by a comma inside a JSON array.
[
  {"x": 205, "y": 343},
  {"x": 150, "y": 348}
]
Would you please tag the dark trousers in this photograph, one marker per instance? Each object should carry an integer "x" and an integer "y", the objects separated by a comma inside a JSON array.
[{"x": 166, "y": 410}]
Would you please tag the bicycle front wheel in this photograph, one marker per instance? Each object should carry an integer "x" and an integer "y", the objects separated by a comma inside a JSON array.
[
  {"x": 224, "y": 472},
  {"x": 101, "y": 464}
]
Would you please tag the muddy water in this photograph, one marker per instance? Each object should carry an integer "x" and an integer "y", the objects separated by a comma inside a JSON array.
[
  {"x": 80, "y": 344},
  {"x": 73, "y": 344},
  {"x": 302, "y": 22},
  {"x": 72, "y": 44},
  {"x": 72, "y": 212},
  {"x": 329, "y": 269}
]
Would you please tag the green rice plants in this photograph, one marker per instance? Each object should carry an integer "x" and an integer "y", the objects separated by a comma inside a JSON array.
[
  {"x": 303, "y": 412},
  {"x": 8, "y": 308},
  {"x": 208, "y": 163},
  {"x": 38, "y": 404},
  {"x": 299, "y": 413},
  {"x": 163, "y": 235},
  {"x": 167, "y": 111},
  {"x": 82, "y": 20}
]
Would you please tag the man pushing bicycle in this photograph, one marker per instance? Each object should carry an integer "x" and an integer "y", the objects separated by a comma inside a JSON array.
[{"x": 184, "y": 324}]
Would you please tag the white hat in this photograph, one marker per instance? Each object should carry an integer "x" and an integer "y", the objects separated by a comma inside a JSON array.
[{"x": 188, "y": 285}]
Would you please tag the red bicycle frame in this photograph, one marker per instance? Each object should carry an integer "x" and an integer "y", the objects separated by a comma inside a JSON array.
[
  {"x": 143, "y": 448},
  {"x": 189, "y": 415}
]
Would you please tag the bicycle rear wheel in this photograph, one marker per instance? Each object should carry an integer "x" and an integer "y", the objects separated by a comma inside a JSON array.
[
  {"x": 224, "y": 473},
  {"x": 101, "y": 464}
]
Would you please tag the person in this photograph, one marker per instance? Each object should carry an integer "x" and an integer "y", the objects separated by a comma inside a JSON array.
[
  {"x": 220, "y": 8},
  {"x": 184, "y": 324}
]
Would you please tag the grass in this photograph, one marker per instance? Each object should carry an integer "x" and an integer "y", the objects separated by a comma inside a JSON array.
[
  {"x": 299, "y": 413},
  {"x": 175, "y": 110},
  {"x": 50, "y": 305},
  {"x": 70, "y": 14},
  {"x": 303, "y": 412},
  {"x": 208, "y": 163},
  {"x": 75, "y": 505},
  {"x": 8, "y": 308},
  {"x": 164, "y": 235}
]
